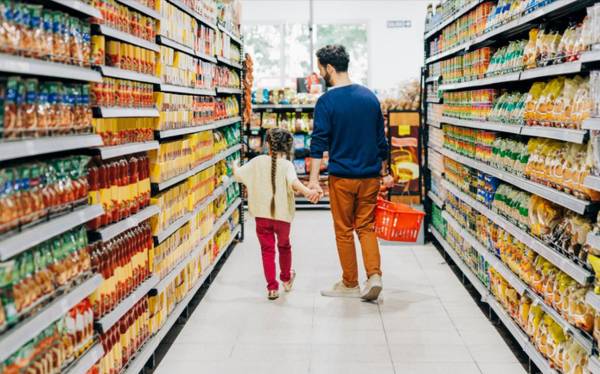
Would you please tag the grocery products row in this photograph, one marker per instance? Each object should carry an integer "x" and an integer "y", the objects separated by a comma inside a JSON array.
[
  {"x": 510, "y": 95},
  {"x": 88, "y": 228}
]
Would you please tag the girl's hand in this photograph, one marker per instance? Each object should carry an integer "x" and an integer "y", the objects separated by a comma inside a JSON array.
[{"x": 313, "y": 196}]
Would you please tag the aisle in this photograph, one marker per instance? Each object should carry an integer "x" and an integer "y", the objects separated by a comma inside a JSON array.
[{"x": 427, "y": 323}]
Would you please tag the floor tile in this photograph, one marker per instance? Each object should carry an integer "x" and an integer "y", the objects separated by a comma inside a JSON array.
[
  {"x": 492, "y": 354},
  {"x": 431, "y": 353},
  {"x": 437, "y": 368},
  {"x": 353, "y": 368},
  {"x": 501, "y": 368},
  {"x": 346, "y": 353}
]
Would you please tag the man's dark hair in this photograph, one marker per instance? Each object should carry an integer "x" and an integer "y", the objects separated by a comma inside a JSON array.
[{"x": 334, "y": 55}]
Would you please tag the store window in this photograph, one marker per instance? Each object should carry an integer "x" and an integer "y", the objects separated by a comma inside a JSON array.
[{"x": 281, "y": 52}]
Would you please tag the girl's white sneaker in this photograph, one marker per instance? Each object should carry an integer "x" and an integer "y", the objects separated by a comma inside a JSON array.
[
  {"x": 287, "y": 286},
  {"x": 273, "y": 295}
]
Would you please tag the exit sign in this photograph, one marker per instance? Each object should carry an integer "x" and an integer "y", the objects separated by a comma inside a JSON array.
[{"x": 399, "y": 24}]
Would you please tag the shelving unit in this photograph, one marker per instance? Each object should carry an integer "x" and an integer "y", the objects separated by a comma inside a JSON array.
[
  {"x": 53, "y": 307},
  {"x": 301, "y": 202},
  {"x": 499, "y": 36}
]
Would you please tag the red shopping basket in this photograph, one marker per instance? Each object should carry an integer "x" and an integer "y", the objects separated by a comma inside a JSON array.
[{"x": 397, "y": 222}]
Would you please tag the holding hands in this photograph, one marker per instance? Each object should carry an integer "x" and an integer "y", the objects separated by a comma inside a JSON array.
[{"x": 316, "y": 192}]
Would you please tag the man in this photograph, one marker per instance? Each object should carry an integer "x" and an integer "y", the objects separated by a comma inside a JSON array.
[{"x": 349, "y": 124}]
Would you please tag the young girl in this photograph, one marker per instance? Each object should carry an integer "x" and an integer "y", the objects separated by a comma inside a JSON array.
[{"x": 271, "y": 181}]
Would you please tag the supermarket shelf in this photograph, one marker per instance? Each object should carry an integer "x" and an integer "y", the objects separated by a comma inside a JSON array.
[
  {"x": 179, "y": 4},
  {"x": 594, "y": 365},
  {"x": 226, "y": 122},
  {"x": 592, "y": 182},
  {"x": 123, "y": 36},
  {"x": 282, "y": 106},
  {"x": 136, "y": 365},
  {"x": 19, "y": 242},
  {"x": 512, "y": 77},
  {"x": 432, "y": 79},
  {"x": 433, "y": 100},
  {"x": 593, "y": 239},
  {"x": 168, "y": 279},
  {"x": 30, "y": 66},
  {"x": 512, "y": 27},
  {"x": 233, "y": 37},
  {"x": 11, "y": 150},
  {"x": 163, "y": 40},
  {"x": 454, "y": 17},
  {"x": 494, "y": 261},
  {"x": 435, "y": 124},
  {"x": 436, "y": 199},
  {"x": 591, "y": 56},
  {"x": 552, "y": 70},
  {"x": 85, "y": 362},
  {"x": 221, "y": 156},
  {"x": 163, "y": 134},
  {"x": 15, "y": 338},
  {"x": 227, "y": 90},
  {"x": 161, "y": 236},
  {"x": 134, "y": 4},
  {"x": 593, "y": 300},
  {"x": 80, "y": 7},
  {"x": 482, "y": 125},
  {"x": 118, "y": 112},
  {"x": 481, "y": 289},
  {"x": 591, "y": 124},
  {"x": 581, "y": 275},
  {"x": 189, "y": 216},
  {"x": 130, "y": 222},
  {"x": 487, "y": 297},
  {"x": 206, "y": 57},
  {"x": 187, "y": 90},
  {"x": 567, "y": 135},
  {"x": 230, "y": 63},
  {"x": 126, "y": 149},
  {"x": 568, "y": 201},
  {"x": 520, "y": 286},
  {"x": 109, "y": 320},
  {"x": 523, "y": 340},
  {"x": 109, "y": 71}
]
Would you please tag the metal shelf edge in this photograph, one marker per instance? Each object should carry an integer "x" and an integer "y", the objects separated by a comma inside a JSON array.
[
  {"x": 107, "y": 321},
  {"x": 120, "y": 35},
  {"x": 89, "y": 358},
  {"x": 31, "y": 66},
  {"x": 14, "y": 339},
  {"x": 109, "y": 232},
  {"x": 109, "y": 71},
  {"x": 11, "y": 150},
  {"x": 35, "y": 235},
  {"x": 141, "y": 8},
  {"x": 126, "y": 149},
  {"x": 81, "y": 7}
]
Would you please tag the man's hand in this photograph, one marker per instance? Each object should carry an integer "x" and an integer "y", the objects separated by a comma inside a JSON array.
[
  {"x": 318, "y": 192},
  {"x": 313, "y": 196},
  {"x": 387, "y": 181}
]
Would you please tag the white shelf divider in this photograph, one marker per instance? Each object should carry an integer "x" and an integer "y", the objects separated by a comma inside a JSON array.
[
  {"x": 482, "y": 125},
  {"x": 436, "y": 199},
  {"x": 85, "y": 362},
  {"x": 567, "y": 135},
  {"x": 283, "y": 106},
  {"x": 166, "y": 41},
  {"x": 118, "y": 112},
  {"x": 11, "y": 150},
  {"x": 230, "y": 63},
  {"x": 109, "y": 71},
  {"x": 452, "y": 18},
  {"x": 135, "y": 4},
  {"x": 227, "y": 90},
  {"x": 552, "y": 70},
  {"x": 109, "y": 320},
  {"x": 111, "y": 231},
  {"x": 31, "y": 66},
  {"x": 509, "y": 77},
  {"x": 32, "y": 236},
  {"x": 233, "y": 37},
  {"x": 127, "y": 149},
  {"x": 123, "y": 36},
  {"x": 163, "y": 134},
  {"x": 592, "y": 182},
  {"x": 594, "y": 365},
  {"x": 187, "y": 90},
  {"x": 80, "y": 7},
  {"x": 16, "y": 337},
  {"x": 566, "y": 200}
]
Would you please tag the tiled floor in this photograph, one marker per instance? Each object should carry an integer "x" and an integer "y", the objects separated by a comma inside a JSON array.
[{"x": 426, "y": 323}]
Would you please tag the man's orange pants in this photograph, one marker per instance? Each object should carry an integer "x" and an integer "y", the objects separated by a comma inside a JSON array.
[{"x": 353, "y": 203}]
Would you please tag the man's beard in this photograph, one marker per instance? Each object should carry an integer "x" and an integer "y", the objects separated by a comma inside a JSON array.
[{"x": 327, "y": 79}]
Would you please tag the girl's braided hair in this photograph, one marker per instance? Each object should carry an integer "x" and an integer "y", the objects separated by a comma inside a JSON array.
[{"x": 280, "y": 142}]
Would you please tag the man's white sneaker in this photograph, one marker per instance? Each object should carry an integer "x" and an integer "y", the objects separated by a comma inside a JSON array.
[
  {"x": 373, "y": 288},
  {"x": 340, "y": 290}
]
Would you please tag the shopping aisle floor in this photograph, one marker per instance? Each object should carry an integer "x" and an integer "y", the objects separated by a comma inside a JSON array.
[{"x": 427, "y": 322}]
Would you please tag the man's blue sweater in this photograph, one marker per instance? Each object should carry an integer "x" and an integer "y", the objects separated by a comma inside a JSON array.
[{"x": 348, "y": 122}]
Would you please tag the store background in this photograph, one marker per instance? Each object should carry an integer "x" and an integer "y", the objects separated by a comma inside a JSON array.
[{"x": 392, "y": 55}]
